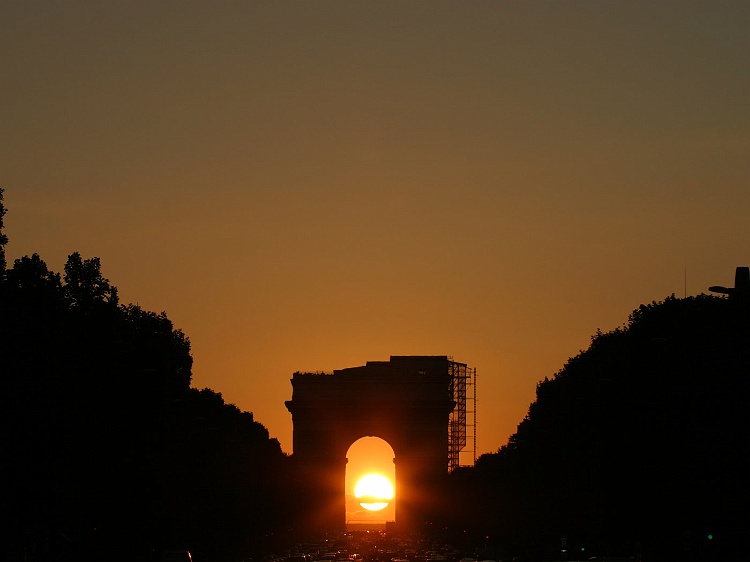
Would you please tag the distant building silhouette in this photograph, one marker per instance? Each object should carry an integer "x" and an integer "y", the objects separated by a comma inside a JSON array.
[{"x": 408, "y": 401}]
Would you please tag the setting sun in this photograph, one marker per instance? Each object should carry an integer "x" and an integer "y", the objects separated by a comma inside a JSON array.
[{"x": 374, "y": 492}]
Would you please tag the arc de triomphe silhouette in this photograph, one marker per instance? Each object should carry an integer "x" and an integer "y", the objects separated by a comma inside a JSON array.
[{"x": 406, "y": 401}]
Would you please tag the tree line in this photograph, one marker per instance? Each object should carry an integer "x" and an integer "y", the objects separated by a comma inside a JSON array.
[
  {"x": 637, "y": 447},
  {"x": 107, "y": 451}
]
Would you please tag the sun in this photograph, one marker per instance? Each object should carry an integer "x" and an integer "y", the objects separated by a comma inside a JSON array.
[{"x": 373, "y": 491}]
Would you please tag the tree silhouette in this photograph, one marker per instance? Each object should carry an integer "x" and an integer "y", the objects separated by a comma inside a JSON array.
[
  {"x": 85, "y": 284},
  {"x": 105, "y": 446},
  {"x": 637, "y": 445}
]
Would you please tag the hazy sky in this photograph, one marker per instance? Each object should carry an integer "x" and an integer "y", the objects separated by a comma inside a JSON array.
[{"x": 312, "y": 185}]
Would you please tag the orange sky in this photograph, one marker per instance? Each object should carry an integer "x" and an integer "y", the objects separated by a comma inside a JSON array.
[{"x": 309, "y": 186}]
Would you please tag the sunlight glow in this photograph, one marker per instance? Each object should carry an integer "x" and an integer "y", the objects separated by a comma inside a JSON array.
[{"x": 373, "y": 491}]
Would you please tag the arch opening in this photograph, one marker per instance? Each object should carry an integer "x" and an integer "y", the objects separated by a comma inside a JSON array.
[{"x": 366, "y": 457}]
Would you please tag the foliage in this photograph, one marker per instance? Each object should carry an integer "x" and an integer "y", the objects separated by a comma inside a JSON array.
[
  {"x": 637, "y": 444},
  {"x": 84, "y": 283},
  {"x": 104, "y": 443}
]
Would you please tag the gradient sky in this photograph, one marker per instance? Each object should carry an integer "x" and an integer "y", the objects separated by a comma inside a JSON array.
[{"x": 312, "y": 185}]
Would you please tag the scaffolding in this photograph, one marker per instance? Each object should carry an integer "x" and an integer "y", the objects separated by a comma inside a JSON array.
[{"x": 462, "y": 428}]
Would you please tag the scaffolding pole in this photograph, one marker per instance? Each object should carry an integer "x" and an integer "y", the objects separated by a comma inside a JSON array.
[{"x": 461, "y": 378}]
